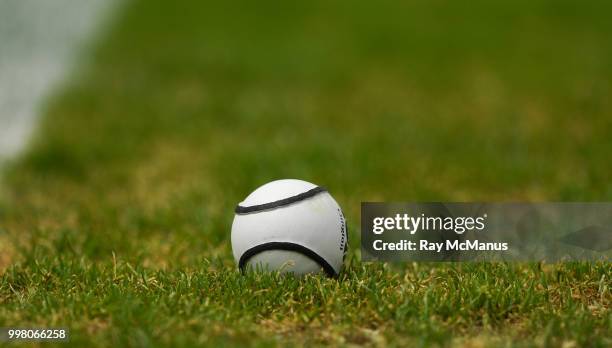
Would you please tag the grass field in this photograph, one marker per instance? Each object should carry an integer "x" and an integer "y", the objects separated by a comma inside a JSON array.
[{"x": 116, "y": 221}]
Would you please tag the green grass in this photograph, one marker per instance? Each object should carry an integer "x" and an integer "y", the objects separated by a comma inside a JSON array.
[
  {"x": 124, "y": 304},
  {"x": 116, "y": 221}
]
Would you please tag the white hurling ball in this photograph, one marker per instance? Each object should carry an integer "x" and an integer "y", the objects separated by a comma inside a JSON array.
[{"x": 291, "y": 226}]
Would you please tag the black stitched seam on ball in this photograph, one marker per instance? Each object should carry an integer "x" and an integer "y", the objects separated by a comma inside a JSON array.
[
  {"x": 288, "y": 247},
  {"x": 281, "y": 202}
]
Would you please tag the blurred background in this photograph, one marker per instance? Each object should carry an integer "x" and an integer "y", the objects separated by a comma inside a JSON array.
[
  {"x": 153, "y": 119},
  {"x": 40, "y": 42}
]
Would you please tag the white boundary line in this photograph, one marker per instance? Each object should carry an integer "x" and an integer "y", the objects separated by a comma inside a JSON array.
[{"x": 39, "y": 44}]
